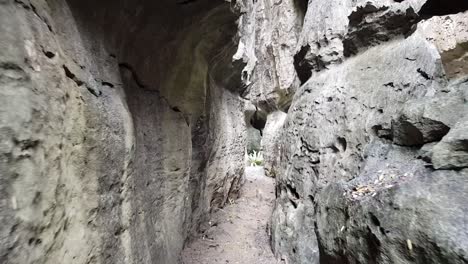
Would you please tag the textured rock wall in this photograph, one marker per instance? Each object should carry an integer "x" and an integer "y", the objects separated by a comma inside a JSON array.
[
  {"x": 269, "y": 39},
  {"x": 373, "y": 153},
  {"x": 269, "y": 33},
  {"x": 122, "y": 127},
  {"x": 271, "y": 142},
  {"x": 65, "y": 136}
]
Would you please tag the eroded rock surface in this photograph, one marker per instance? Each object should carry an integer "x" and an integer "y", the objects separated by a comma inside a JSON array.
[
  {"x": 121, "y": 124},
  {"x": 373, "y": 161},
  {"x": 450, "y": 35},
  {"x": 272, "y": 136}
]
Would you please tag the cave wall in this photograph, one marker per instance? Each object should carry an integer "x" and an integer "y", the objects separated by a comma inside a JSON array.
[
  {"x": 372, "y": 164},
  {"x": 122, "y": 127}
]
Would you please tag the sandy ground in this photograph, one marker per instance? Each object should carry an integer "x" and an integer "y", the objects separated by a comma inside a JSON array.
[{"x": 238, "y": 234}]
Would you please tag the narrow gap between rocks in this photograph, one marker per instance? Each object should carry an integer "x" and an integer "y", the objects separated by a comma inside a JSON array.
[
  {"x": 239, "y": 232},
  {"x": 149, "y": 132}
]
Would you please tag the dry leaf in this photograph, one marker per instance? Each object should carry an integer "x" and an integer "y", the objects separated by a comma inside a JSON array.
[{"x": 410, "y": 245}]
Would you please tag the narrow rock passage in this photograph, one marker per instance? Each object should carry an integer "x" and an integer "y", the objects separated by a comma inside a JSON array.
[{"x": 238, "y": 233}]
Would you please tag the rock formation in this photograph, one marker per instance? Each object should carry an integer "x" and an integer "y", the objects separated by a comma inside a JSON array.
[
  {"x": 373, "y": 153},
  {"x": 271, "y": 141},
  {"x": 124, "y": 125}
]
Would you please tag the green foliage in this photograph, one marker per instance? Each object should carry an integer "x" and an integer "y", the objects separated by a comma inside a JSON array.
[{"x": 256, "y": 158}]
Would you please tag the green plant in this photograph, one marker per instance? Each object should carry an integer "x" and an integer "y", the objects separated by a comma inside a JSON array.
[{"x": 256, "y": 158}]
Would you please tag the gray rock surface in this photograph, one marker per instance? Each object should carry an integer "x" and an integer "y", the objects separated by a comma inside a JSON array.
[
  {"x": 452, "y": 151},
  {"x": 272, "y": 135},
  {"x": 366, "y": 137},
  {"x": 450, "y": 35},
  {"x": 121, "y": 127},
  {"x": 269, "y": 32}
]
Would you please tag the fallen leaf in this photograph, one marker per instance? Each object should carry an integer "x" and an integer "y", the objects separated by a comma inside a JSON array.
[{"x": 410, "y": 245}]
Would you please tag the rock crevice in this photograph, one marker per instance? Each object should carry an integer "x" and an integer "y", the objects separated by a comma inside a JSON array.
[{"x": 124, "y": 125}]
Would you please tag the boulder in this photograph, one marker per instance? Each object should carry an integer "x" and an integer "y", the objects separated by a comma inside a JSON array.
[{"x": 452, "y": 151}]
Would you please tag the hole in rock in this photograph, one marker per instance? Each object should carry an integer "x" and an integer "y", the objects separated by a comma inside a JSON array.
[
  {"x": 293, "y": 203},
  {"x": 373, "y": 244},
  {"x": 333, "y": 149},
  {"x": 49, "y": 54},
  {"x": 374, "y": 219},
  {"x": 383, "y": 231},
  {"x": 312, "y": 198},
  {"x": 442, "y": 7},
  {"x": 423, "y": 74},
  {"x": 255, "y": 121},
  {"x": 293, "y": 191},
  {"x": 302, "y": 66},
  {"x": 71, "y": 75},
  {"x": 381, "y": 132},
  {"x": 341, "y": 143},
  {"x": 107, "y": 84},
  {"x": 258, "y": 121}
]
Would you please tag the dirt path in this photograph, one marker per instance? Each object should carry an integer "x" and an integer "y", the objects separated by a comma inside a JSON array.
[{"x": 238, "y": 233}]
